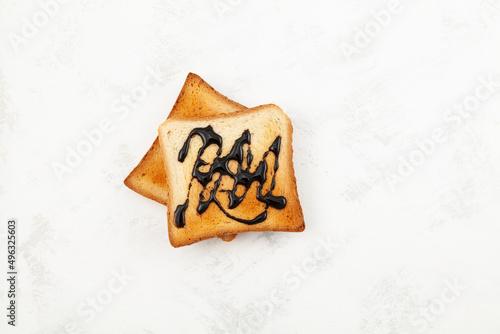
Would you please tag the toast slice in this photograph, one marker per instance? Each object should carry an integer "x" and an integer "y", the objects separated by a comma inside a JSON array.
[
  {"x": 197, "y": 98},
  {"x": 229, "y": 174}
]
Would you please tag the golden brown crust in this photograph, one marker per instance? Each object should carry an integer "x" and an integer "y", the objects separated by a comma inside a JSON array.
[
  {"x": 227, "y": 237},
  {"x": 148, "y": 178}
]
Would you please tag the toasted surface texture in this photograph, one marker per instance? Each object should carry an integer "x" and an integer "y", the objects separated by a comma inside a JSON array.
[
  {"x": 196, "y": 99},
  {"x": 265, "y": 126}
]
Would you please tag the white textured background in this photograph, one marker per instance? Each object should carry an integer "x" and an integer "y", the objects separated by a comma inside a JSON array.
[{"x": 398, "y": 239}]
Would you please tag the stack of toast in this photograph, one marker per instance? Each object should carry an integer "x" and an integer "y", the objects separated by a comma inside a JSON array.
[{"x": 220, "y": 168}]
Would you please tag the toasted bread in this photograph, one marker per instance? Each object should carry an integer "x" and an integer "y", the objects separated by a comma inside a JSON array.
[{"x": 229, "y": 174}]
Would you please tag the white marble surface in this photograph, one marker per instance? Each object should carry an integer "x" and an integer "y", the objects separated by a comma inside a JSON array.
[{"x": 395, "y": 106}]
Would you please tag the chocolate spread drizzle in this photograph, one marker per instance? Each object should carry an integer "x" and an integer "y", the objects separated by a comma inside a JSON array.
[{"x": 243, "y": 176}]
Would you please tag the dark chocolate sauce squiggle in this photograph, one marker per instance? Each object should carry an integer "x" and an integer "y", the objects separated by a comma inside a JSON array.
[{"x": 243, "y": 176}]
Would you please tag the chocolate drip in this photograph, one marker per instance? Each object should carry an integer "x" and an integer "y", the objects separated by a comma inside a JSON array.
[
  {"x": 243, "y": 176},
  {"x": 180, "y": 214}
]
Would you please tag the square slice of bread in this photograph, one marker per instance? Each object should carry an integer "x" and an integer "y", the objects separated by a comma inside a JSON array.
[
  {"x": 229, "y": 174},
  {"x": 197, "y": 98}
]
